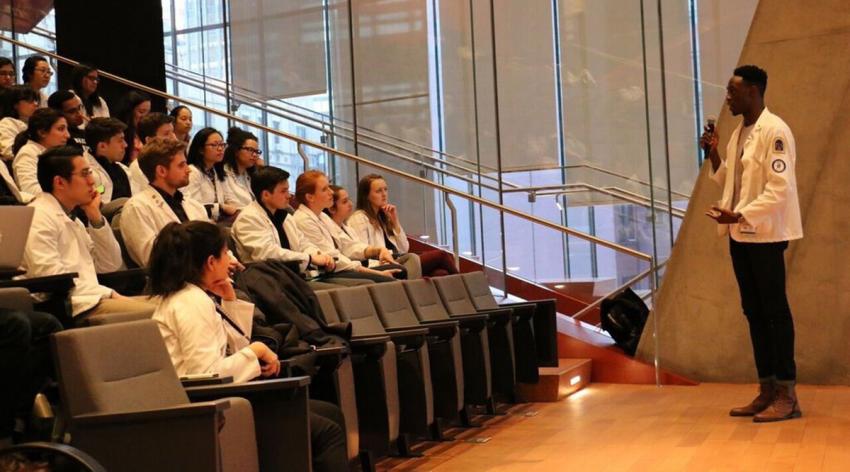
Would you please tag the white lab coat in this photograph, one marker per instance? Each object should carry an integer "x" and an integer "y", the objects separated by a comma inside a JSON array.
[
  {"x": 238, "y": 187},
  {"x": 365, "y": 231},
  {"x": 305, "y": 228},
  {"x": 207, "y": 192},
  {"x": 138, "y": 180},
  {"x": 22, "y": 197},
  {"x": 58, "y": 245},
  {"x": 257, "y": 239},
  {"x": 101, "y": 177},
  {"x": 10, "y": 128},
  {"x": 143, "y": 217},
  {"x": 197, "y": 337},
  {"x": 25, "y": 167},
  {"x": 768, "y": 199}
]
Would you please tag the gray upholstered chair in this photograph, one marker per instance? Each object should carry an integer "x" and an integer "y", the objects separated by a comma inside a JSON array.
[
  {"x": 126, "y": 407},
  {"x": 525, "y": 347},
  {"x": 444, "y": 349},
  {"x": 373, "y": 364},
  {"x": 457, "y": 301},
  {"x": 537, "y": 316},
  {"x": 474, "y": 342}
]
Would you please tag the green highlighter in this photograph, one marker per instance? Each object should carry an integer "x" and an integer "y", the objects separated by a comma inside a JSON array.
[{"x": 100, "y": 189}]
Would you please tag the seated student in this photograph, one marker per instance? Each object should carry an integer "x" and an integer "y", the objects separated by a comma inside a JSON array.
[
  {"x": 133, "y": 108},
  {"x": 314, "y": 194},
  {"x": 59, "y": 243},
  {"x": 240, "y": 162},
  {"x": 25, "y": 363},
  {"x": 151, "y": 125},
  {"x": 46, "y": 129},
  {"x": 84, "y": 82},
  {"x": 65, "y": 102},
  {"x": 7, "y": 73},
  {"x": 182, "y": 122},
  {"x": 376, "y": 222},
  {"x": 19, "y": 103},
  {"x": 36, "y": 74},
  {"x": 201, "y": 323},
  {"x": 105, "y": 139},
  {"x": 163, "y": 160},
  {"x": 376, "y": 257},
  {"x": 259, "y": 235},
  {"x": 206, "y": 175}
]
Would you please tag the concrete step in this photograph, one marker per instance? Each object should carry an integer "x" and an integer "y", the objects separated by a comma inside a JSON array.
[{"x": 556, "y": 383}]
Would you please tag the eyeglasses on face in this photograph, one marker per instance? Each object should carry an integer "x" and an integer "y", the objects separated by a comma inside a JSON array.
[
  {"x": 84, "y": 172},
  {"x": 217, "y": 145},
  {"x": 253, "y": 151},
  {"x": 7, "y": 73},
  {"x": 93, "y": 78},
  {"x": 44, "y": 70}
]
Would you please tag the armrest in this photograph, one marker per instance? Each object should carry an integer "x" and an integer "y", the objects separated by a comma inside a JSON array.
[
  {"x": 160, "y": 414},
  {"x": 332, "y": 351},
  {"x": 197, "y": 382},
  {"x": 50, "y": 283},
  {"x": 121, "y": 275},
  {"x": 406, "y": 331},
  {"x": 498, "y": 314},
  {"x": 247, "y": 388},
  {"x": 9, "y": 273},
  {"x": 368, "y": 340},
  {"x": 524, "y": 310},
  {"x": 442, "y": 329}
]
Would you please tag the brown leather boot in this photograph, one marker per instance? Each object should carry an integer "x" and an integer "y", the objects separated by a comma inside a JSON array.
[
  {"x": 784, "y": 406},
  {"x": 767, "y": 391}
]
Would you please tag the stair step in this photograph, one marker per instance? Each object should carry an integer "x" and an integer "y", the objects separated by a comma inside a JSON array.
[{"x": 556, "y": 383}]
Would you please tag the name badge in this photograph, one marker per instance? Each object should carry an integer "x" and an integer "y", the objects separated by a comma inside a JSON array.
[{"x": 746, "y": 228}]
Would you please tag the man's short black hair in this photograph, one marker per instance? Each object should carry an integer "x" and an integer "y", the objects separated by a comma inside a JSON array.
[
  {"x": 101, "y": 130},
  {"x": 58, "y": 98},
  {"x": 150, "y": 123},
  {"x": 55, "y": 161},
  {"x": 266, "y": 178},
  {"x": 753, "y": 75}
]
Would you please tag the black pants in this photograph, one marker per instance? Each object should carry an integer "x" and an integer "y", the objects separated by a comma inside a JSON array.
[
  {"x": 760, "y": 270},
  {"x": 25, "y": 361},
  {"x": 327, "y": 437}
]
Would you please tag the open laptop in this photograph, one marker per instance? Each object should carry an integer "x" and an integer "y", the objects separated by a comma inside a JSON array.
[{"x": 15, "y": 224}]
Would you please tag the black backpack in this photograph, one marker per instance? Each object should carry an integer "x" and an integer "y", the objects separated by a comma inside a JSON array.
[{"x": 623, "y": 317}]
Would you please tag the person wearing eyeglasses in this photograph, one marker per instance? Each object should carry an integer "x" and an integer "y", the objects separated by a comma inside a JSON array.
[
  {"x": 84, "y": 82},
  {"x": 59, "y": 243},
  {"x": 19, "y": 103},
  {"x": 37, "y": 73},
  {"x": 241, "y": 160},
  {"x": 7, "y": 73},
  {"x": 46, "y": 129},
  {"x": 206, "y": 175}
]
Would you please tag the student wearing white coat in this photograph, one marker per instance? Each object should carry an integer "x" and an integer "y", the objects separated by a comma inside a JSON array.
[
  {"x": 19, "y": 103},
  {"x": 259, "y": 234},
  {"x": 207, "y": 330},
  {"x": 760, "y": 212},
  {"x": 206, "y": 175},
  {"x": 313, "y": 192},
  {"x": 85, "y": 80},
  {"x": 241, "y": 160},
  {"x": 46, "y": 128},
  {"x": 105, "y": 139},
  {"x": 151, "y": 125},
  {"x": 58, "y": 243},
  {"x": 148, "y": 211}
]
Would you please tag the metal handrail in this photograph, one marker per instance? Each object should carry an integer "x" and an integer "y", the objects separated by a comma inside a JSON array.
[
  {"x": 371, "y": 146},
  {"x": 331, "y": 121},
  {"x": 447, "y": 190},
  {"x": 615, "y": 192},
  {"x": 579, "y": 314},
  {"x": 596, "y": 169}
]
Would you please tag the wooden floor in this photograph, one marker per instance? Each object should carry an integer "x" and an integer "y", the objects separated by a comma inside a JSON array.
[{"x": 639, "y": 427}]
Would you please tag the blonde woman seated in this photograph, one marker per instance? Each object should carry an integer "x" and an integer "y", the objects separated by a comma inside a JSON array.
[
  {"x": 376, "y": 223},
  {"x": 347, "y": 237},
  {"x": 314, "y": 195},
  {"x": 207, "y": 330}
]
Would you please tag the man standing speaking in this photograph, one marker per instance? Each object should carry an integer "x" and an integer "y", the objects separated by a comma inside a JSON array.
[{"x": 760, "y": 212}]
